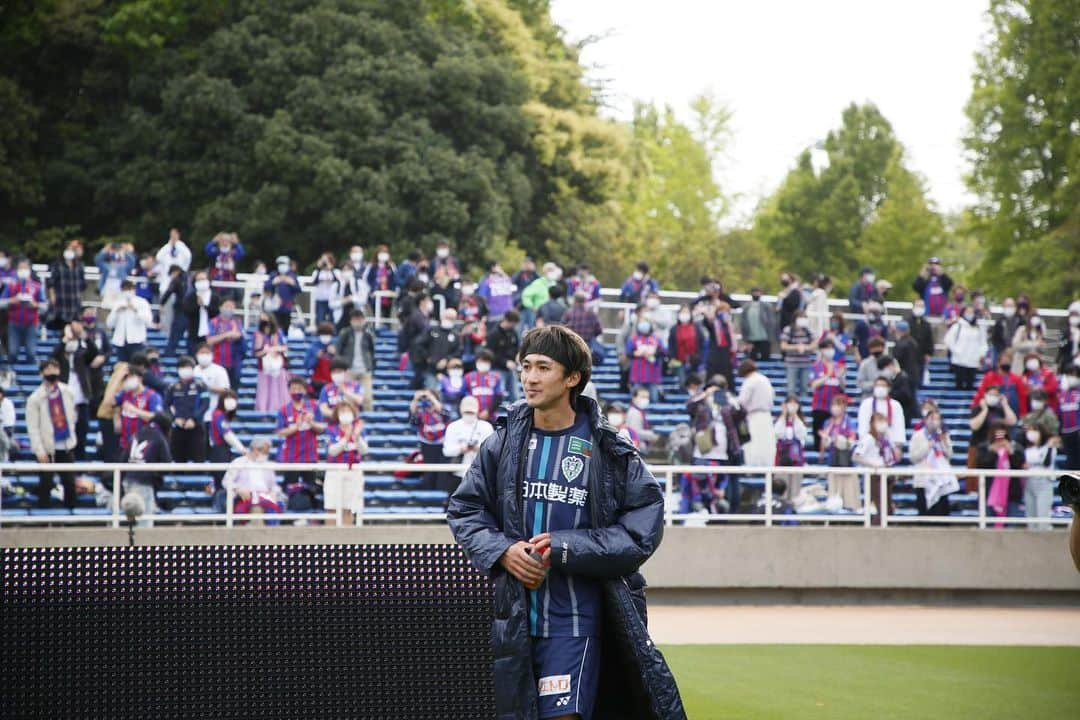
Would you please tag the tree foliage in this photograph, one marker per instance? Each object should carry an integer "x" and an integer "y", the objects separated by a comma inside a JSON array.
[{"x": 1024, "y": 144}]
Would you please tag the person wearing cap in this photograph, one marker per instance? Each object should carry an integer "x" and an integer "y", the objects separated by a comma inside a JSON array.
[
  {"x": 863, "y": 291},
  {"x": 464, "y": 436},
  {"x": 255, "y": 489},
  {"x": 150, "y": 445},
  {"x": 933, "y": 286},
  {"x": 281, "y": 290}
]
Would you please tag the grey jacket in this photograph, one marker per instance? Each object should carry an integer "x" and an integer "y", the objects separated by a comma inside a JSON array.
[
  {"x": 346, "y": 346},
  {"x": 486, "y": 518}
]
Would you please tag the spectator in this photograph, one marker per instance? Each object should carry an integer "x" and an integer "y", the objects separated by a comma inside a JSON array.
[
  {"x": 187, "y": 402},
  {"x": 687, "y": 344},
  {"x": 1031, "y": 338},
  {"x": 713, "y": 417},
  {"x": 790, "y": 299},
  {"x": 452, "y": 385},
  {"x": 884, "y": 404},
  {"x": 616, "y": 417},
  {"x": 1069, "y": 349},
  {"x": 871, "y": 327},
  {"x": 281, "y": 290},
  {"x": 227, "y": 339},
  {"x": 100, "y": 338},
  {"x": 320, "y": 354},
  {"x": 7, "y": 426},
  {"x": 345, "y": 445},
  {"x": 863, "y": 291},
  {"x": 836, "y": 442},
  {"x": 67, "y": 282},
  {"x": 1040, "y": 415},
  {"x": 638, "y": 420},
  {"x": 171, "y": 317},
  {"x": 646, "y": 354},
  {"x": 552, "y": 311},
  {"x": 780, "y": 506},
  {"x": 200, "y": 306},
  {"x": 431, "y": 350},
  {"x": 993, "y": 409},
  {"x": 382, "y": 278},
  {"x": 791, "y": 436},
  {"x": 137, "y": 404},
  {"x": 255, "y": 489},
  {"x": 757, "y": 325},
  {"x": 639, "y": 283},
  {"x": 826, "y": 383},
  {"x": 299, "y": 427},
  {"x": 430, "y": 419},
  {"x": 868, "y": 368},
  {"x": 215, "y": 377},
  {"x": 472, "y": 313},
  {"x": 1039, "y": 377},
  {"x": 582, "y": 319},
  {"x": 1012, "y": 385},
  {"x": 756, "y": 400},
  {"x": 503, "y": 343},
  {"x": 1039, "y": 454},
  {"x": 271, "y": 351},
  {"x": 75, "y": 357},
  {"x": 817, "y": 307},
  {"x": 998, "y": 452},
  {"x": 498, "y": 290},
  {"x": 222, "y": 442},
  {"x": 50, "y": 424},
  {"x": 908, "y": 354},
  {"x": 931, "y": 448},
  {"x": 174, "y": 252},
  {"x": 463, "y": 439},
  {"x": 933, "y": 286},
  {"x": 538, "y": 292},
  {"x": 114, "y": 263},
  {"x": 1070, "y": 416},
  {"x": 922, "y": 334},
  {"x": 108, "y": 414},
  {"x": 876, "y": 450},
  {"x": 445, "y": 260},
  {"x": 151, "y": 374},
  {"x": 838, "y": 338},
  {"x": 129, "y": 319},
  {"x": 415, "y": 324},
  {"x": 723, "y": 342},
  {"x": 797, "y": 344},
  {"x": 325, "y": 284},
  {"x": 901, "y": 388},
  {"x": 408, "y": 270},
  {"x": 713, "y": 290},
  {"x": 955, "y": 308},
  {"x": 486, "y": 386},
  {"x": 525, "y": 275},
  {"x": 146, "y": 278},
  {"x": 24, "y": 298},
  {"x": 1004, "y": 329},
  {"x": 150, "y": 445},
  {"x": 353, "y": 291},
  {"x": 356, "y": 346},
  {"x": 340, "y": 389},
  {"x": 585, "y": 282},
  {"x": 966, "y": 342},
  {"x": 224, "y": 250}
]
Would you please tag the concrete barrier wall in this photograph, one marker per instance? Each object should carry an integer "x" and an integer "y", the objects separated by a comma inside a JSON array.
[{"x": 922, "y": 559}]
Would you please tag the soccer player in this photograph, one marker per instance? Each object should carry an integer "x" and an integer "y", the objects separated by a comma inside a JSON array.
[{"x": 561, "y": 511}]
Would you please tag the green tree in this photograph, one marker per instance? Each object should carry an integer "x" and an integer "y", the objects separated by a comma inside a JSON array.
[{"x": 1024, "y": 143}]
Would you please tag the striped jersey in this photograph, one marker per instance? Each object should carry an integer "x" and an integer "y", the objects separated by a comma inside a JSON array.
[
  {"x": 556, "y": 494},
  {"x": 219, "y": 427},
  {"x": 302, "y": 446},
  {"x": 146, "y": 400},
  {"x": 1070, "y": 410},
  {"x": 487, "y": 388}
]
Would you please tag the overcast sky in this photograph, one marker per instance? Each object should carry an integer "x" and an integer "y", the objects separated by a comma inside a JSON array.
[{"x": 787, "y": 68}]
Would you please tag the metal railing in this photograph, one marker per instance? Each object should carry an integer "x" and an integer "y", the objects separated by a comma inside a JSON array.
[{"x": 670, "y": 475}]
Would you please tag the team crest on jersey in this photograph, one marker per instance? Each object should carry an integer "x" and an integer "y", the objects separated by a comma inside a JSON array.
[{"x": 572, "y": 467}]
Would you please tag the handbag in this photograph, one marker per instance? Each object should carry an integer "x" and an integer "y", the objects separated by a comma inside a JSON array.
[
  {"x": 704, "y": 440},
  {"x": 789, "y": 453}
]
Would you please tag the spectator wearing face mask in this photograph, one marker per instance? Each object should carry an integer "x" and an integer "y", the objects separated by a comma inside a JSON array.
[
  {"x": 472, "y": 314},
  {"x": 429, "y": 416},
  {"x": 227, "y": 339},
  {"x": 797, "y": 344},
  {"x": 582, "y": 319},
  {"x": 464, "y": 436},
  {"x": 434, "y": 348},
  {"x": 224, "y": 251},
  {"x": 932, "y": 286},
  {"x": 868, "y": 368},
  {"x": 1040, "y": 415},
  {"x": 931, "y": 448},
  {"x": 882, "y": 403},
  {"x": 1004, "y": 329},
  {"x": 137, "y": 404},
  {"x": 756, "y": 400},
  {"x": 836, "y": 335},
  {"x": 790, "y": 299},
  {"x": 538, "y": 292},
  {"x": 638, "y": 285},
  {"x": 836, "y": 442},
  {"x": 757, "y": 325},
  {"x": 346, "y": 446},
  {"x": 67, "y": 282},
  {"x": 270, "y": 348},
  {"x": 187, "y": 401},
  {"x": 356, "y": 346},
  {"x": 325, "y": 284},
  {"x": 200, "y": 306},
  {"x": 150, "y": 445},
  {"x": 255, "y": 490},
  {"x": 215, "y": 377},
  {"x": 498, "y": 290},
  {"x": 687, "y": 342},
  {"x": 878, "y": 449},
  {"x": 646, "y": 354},
  {"x": 1070, "y": 416},
  {"x": 353, "y": 291},
  {"x": 723, "y": 341},
  {"x": 871, "y": 327},
  {"x": 503, "y": 342},
  {"x": 50, "y": 426},
  {"x": 408, "y": 270},
  {"x": 991, "y": 409},
  {"x": 791, "y": 436},
  {"x": 713, "y": 417},
  {"x": 174, "y": 252},
  {"x": 382, "y": 278},
  {"x": 954, "y": 309},
  {"x": 299, "y": 427},
  {"x": 637, "y": 418},
  {"x": 998, "y": 452},
  {"x": 452, "y": 385},
  {"x": 320, "y": 353},
  {"x": 78, "y": 359},
  {"x": 901, "y": 387},
  {"x": 1010, "y": 384},
  {"x": 340, "y": 389},
  {"x": 826, "y": 384},
  {"x": 1030, "y": 338},
  {"x": 114, "y": 263},
  {"x": 922, "y": 333},
  {"x": 129, "y": 319},
  {"x": 415, "y": 323},
  {"x": 24, "y": 299},
  {"x": 863, "y": 291},
  {"x": 486, "y": 386},
  {"x": 817, "y": 306},
  {"x": 584, "y": 282},
  {"x": 280, "y": 292},
  {"x": 1069, "y": 349},
  {"x": 908, "y": 353},
  {"x": 663, "y": 318},
  {"x": 967, "y": 346},
  {"x": 1039, "y": 377},
  {"x": 1039, "y": 454}
]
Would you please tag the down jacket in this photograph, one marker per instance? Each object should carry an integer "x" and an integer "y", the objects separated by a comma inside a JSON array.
[{"x": 486, "y": 518}]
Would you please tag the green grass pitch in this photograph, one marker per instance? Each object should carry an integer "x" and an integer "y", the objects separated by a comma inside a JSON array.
[{"x": 769, "y": 682}]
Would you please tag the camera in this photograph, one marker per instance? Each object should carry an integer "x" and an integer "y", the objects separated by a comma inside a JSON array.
[{"x": 1069, "y": 489}]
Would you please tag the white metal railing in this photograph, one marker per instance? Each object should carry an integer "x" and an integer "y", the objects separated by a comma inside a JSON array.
[{"x": 670, "y": 474}]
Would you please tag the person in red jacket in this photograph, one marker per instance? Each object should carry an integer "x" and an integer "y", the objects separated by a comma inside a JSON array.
[
  {"x": 1013, "y": 386},
  {"x": 1038, "y": 376}
]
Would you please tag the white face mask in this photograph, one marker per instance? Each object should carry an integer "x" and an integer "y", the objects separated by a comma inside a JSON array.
[
  {"x": 129, "y": 294},
  {"x": 1032, "y": 437},
  {"x": 443, "y": 252},
  {"x": 993, "y": 400},
  {"x": 338, "y": 378},
  {"x": 467, "y": 290},
  {"x": 345, "y": 418},
  {"x": 456, "y": 373},
  {"x": 881, "y": 427},
  {"x": 325, "y": 339},
  {"x": 1008, "y": 311},
  {"x": 881, "y": 392},
  {"x": 23, "y": 273},
  {"x": 356, "y": 257},
  {"x": 483, "y": 367},
  {"x": 447, "y": 324},
  {"x": 202, "y": 285},
  {"x": 918, "y": 311},
  {"x": 870, "y": 278},
  {"x": 1037, "y": 404},
  {"x": 204, "y": 360},
  {"x": 229, "y": 404},
  {"x": 615, "y": 419},
  {"x": 384, "y": 257},
  {"x": 69, "y": 255},
  {"x": 653, "y": 302},
  {"x": 1036, "y": 322},
  {"x": 684, "y": 317},
  {"x": 185, "y": 373},
  {"x": 1032, "y": 364},
  {"x": 71, "y": 346},
  {"x": 283, "y": 268},
  {"x": 802, "y": 322},
  {"x": 131, "y": 384},
  {"x": 793, "y": 408},
  {"x": 642, "y": 403},
  {"x": 638, "y": 275}
]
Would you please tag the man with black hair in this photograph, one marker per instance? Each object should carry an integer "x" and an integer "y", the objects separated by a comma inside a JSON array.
[
  {"x": 503, "y": 342},
  {"x": 552, "y": 311},
  {"x": 356, "y": 346},
  {"x": 188, "y": 400},
  {"x": 638, "y": 285},
  {"x": 50, "y": 424},
  {"x": 150, "y": 445},
  {"x": 129, "y": 319},
  {"x": 561, "y": 511}
]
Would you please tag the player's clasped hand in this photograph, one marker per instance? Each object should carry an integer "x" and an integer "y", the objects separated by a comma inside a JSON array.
[{"x": 519, "y": 563}]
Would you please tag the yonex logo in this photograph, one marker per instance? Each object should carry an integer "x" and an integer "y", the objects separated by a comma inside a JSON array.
[{"x": 562, "y": 701}]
